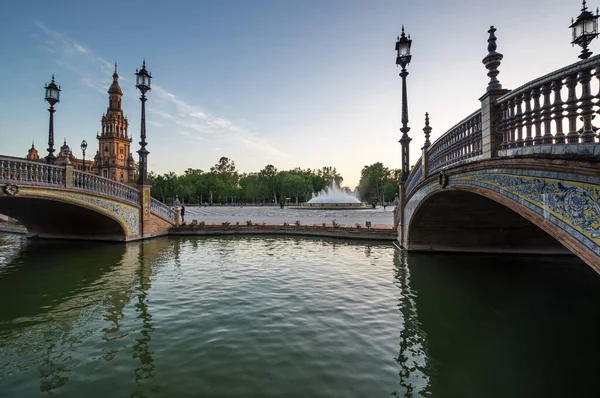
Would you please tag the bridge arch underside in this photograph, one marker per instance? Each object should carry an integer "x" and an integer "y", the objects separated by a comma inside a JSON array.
[
  {"x": 54, "y": 219},
  {"x": 455, "y": 220}
]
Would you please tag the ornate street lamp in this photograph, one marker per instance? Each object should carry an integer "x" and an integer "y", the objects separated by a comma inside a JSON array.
[
  {"x": 585, "y": 29},
  {"x": 53, "y": 97},
  {"x": 403, "y": 58},
  {"x": 143, "y": 84},
  {"x": 83, "y": 148}
]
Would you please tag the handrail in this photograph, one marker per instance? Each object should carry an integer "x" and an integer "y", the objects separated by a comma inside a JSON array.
[
  {"x": 162, "y": 210},
  {"x": 549, "y": 77}
]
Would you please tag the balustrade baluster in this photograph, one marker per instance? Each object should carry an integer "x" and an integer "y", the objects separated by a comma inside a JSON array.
[
  {"x": 528, "y": 118},
  {"x": 536, "y": 114},
  {"x": 504, "y": 125},
  {"x": 546, "y": 114},
  {"x": 9, "y": 171},
  {"x": 512, "y": 143},
  {"x": 519, "y": 117},
  {"x": 587, "y": 105},
  {"x": 557, "y": 110},
  {"x": 597, "y": 76},
  {"x": 571, "y": 108}
]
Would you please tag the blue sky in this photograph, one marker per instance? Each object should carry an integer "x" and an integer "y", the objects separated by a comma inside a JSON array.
[{"x": 305, "y": 83}]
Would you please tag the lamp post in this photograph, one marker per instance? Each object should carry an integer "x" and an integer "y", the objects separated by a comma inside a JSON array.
[
  {"x": 403, "y": 58},
  {"x": 83, "y": 148},
  {"x": 585, "y": 29},
  {"x": 143, "y": 84},
  {"x": 52, "y": 97}
]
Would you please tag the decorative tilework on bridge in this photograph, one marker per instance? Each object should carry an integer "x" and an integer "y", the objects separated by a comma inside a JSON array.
[
  {"x": 571, "y": 202},
  {"x": 574, "y": 206},
  {"x": 127, "y": 215}
]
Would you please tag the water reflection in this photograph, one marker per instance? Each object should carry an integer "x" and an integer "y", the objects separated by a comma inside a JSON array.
[
  {"x": 263, "y": 316},
  {"x": 415, "y": 367},
  {"x": 62, "y": 292},
  {"x": 498, "y": 326}
]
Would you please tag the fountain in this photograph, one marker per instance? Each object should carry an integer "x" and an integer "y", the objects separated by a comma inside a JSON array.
[{"x": 332, "y": 198}]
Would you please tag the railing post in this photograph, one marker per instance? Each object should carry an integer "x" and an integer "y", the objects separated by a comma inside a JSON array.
[
  {"x": 177, "y": 211},
  {"x": 491, "y": 114},
  {"x": 68, "y": 180},
  {"x": 144, "y": 207},
  {"x": 424, "y": 156}
]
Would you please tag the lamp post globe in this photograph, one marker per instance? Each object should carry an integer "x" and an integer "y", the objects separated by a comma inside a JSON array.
[
  {"x": 83, "y": 148},
  {"x": 142, "y": 83},
  {"x": 403, "y": 57},
  {"x": 52, "y": 96},
  {"x": 585, "y": 29}
]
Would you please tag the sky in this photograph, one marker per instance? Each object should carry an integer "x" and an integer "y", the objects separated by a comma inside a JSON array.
[{"x": 293, "y": 83}]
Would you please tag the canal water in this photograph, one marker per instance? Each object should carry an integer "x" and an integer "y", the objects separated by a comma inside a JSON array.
[{"x": 287, "y": 317}]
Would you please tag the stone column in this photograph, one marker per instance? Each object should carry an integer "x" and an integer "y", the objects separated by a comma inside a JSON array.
[
  {"x": 177, "y": 209},
  {"x": 491, "y": 114},
  {"x": 400, "y": 223},
  {"x": 144, "y": 207},
  {"x": 491, "y": 117},
  {"x": 69, "y": 176}
]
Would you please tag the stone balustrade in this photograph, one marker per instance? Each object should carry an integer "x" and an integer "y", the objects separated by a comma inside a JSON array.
[
  {"x": 101, "y": 185},
  {"x": 16, "y": 170},
  {"x": 534, "y": 114},
  {"x": 162, "y": 210},
  {"x": 20, "y": 171}
]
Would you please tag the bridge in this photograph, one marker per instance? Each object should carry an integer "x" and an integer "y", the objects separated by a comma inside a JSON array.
[
  {"x": 508, "y": 178},
  {"x": 59, "y": 202}
]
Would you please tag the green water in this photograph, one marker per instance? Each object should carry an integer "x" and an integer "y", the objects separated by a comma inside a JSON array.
[{"x": 286, "y": 317}]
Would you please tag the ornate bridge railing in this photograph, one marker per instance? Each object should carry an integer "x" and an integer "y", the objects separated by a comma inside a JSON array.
[
  {"x": 461, "y": 142},
  {"x": 458, "y": 145},
  {"x": 162, "y": 210},
  {"x": 415, "y": 175},
  {"x": 16, "y": 170},
  {"x": 539, "y": 103},
  {"x": 93, "y": 183},
  {"x": 20, "y": 171}
]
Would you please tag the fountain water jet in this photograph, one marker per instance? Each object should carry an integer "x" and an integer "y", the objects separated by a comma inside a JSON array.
[{"x": 333, "y": 197}]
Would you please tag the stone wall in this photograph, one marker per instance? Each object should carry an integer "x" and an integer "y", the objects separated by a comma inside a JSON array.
[{"x": 154, "y": 226}]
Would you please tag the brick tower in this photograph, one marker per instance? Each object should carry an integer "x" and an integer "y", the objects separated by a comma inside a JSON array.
[{"x": 113, "y": 159}]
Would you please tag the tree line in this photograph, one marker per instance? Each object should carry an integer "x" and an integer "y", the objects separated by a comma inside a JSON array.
[{"x": 223, "y": 184}]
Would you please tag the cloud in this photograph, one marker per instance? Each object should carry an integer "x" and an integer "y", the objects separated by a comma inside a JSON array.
[{"x": 174, "y": 112}]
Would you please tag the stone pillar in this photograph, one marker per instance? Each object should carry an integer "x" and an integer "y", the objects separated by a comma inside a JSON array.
[
  {"x": 68, "y": 176},
  {"x": 144, "y": 206},
  {"x": 177, "y": 209},
  {"x": 491, "y": 115},
  {"x": 424, "y": 163},
  {"x": 424, "y": 157},
  {"x": 400, "y": 223}
]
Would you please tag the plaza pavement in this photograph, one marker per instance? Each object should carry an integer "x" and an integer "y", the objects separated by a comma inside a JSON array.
[{"x": 274, "y": 214}]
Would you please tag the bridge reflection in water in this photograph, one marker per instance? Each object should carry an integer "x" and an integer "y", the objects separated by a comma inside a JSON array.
[{"x": 167, "y": 316}]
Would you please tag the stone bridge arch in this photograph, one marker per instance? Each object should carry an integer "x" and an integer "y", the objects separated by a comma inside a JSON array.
[
  {"x": 506, "y": 210},
  {"x": 68, "y": 214}
]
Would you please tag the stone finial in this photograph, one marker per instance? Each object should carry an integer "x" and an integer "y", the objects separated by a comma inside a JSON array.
[
  {"x": 492, "y": 61},
  {"x": 67, "y": 153},
  {"x": 427, "y": 130}
]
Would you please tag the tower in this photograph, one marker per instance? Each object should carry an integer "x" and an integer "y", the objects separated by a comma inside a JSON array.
[
  {"x": 32, "y": 154},
  {"x": 113, "y": 159}
]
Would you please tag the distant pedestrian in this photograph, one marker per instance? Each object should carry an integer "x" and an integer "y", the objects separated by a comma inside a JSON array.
[{"x": 182, "y": 213}]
